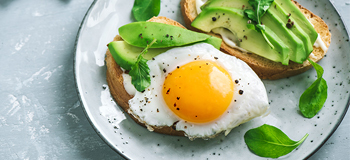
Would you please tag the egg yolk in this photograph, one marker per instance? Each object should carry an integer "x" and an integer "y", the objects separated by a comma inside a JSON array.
[{"x": 199, "y": 91}]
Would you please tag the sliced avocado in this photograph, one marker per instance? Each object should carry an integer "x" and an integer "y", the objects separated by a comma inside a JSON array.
[
  {"x": 295, "y": 45},
  {"x": 297, "y": 29},
  {"x": 289, "y": 7},
  {"x": 239, "y": 4},
  {"x": 251, "y": 40},
  {"x": 277, "y": 11},
  {"x": 125, "y": 55}
]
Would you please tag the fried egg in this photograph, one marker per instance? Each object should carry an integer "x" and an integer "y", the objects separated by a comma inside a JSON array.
[{"x": 199, "y": 89}]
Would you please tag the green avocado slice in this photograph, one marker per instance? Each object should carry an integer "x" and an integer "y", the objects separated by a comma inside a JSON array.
[
  {"x": 251, "y": 40},
  {"x": 290, "y": 7},
  {"x": 295, "y": 45},
  {"x": 125, "y": 55},
  {"x": 301, "y": 28}
]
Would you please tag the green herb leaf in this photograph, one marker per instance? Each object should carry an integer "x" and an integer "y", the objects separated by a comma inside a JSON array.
[
  {"x": 251, "y": 15},
  {"x": 139, "y": 34},
  {"x": 313, "y": 98},
  {"x": 260, "y": 7},
  {"x": 143, "y": 10},
  {"x": 269, "y": 141},
  {"x": 139, "y": 72}
]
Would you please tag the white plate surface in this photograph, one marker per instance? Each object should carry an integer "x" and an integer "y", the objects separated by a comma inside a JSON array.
[{"x": 135, "y": 142}]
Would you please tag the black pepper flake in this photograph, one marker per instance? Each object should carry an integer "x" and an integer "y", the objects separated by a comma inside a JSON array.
[
  {"x": 164, "y": 70},
  {"x": 171, "y": 37},
  {"x": 177, "y": 108},
  {"x": 223, "y": 13},
  {"x": 290, "y": 24},
  {"x": 240, "y": 40},
  {"x": 143, "y": 91},
  {"x": 185, "y": 127},
  {"x": 104, "y": 87},
  {"x": 153, "y": 59},
  {"x": 174, "y": 104},
  {"x": 236, "y": 81},
  {"x": 196, "y": 116},
  {"x": 157, "y": 110},
  {"x": 245, "y": 37},
  {"x": 235, "y": 100},
  {"x": 140, "y": 34},
  {"x": 213, "y": 18},
  {"x": 178, "y": 98},
  {"x": 141, "y": 110},
  {"x": 216, "y": 58},
  {"x": 195, "y": 58},
  {"x": 167, "y": 92},
  {"x": 178, "y": 67},
  {"x": 167, "y": 35},
  {"x": 240, "y": 92},
  {"x": 289, "y": 14},
  {"x": 207, "y": 63}
]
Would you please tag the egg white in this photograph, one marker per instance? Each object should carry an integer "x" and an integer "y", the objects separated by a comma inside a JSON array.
[{"x": 150, "y": 108}]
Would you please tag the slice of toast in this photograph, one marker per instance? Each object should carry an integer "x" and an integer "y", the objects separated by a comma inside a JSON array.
[
  {"x": 267, "y": 69},
  {"x": 118, "y": 92}
]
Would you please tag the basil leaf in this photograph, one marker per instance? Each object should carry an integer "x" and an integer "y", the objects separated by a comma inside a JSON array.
[
  {"x": 269, "y": 141},
  {"x": 143, "y": 10},
  {"x": 139, "y": 72},
  {"x": 260, "y": 7},
  {"x": 314, "y": 97}
]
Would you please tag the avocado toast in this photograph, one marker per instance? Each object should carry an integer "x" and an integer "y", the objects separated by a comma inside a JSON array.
[
  {"x": 119, "y": 63},
  {"x": 293, "y": 48}
]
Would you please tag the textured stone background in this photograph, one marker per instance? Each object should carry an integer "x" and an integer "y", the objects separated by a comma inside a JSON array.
[{"x": 40, "y": 114}]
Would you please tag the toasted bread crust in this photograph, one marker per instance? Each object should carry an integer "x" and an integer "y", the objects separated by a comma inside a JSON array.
[
  {"x": 267, "y": 69},
  {"x": 116, "y": 85}
]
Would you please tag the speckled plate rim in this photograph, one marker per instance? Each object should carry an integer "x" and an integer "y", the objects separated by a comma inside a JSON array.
[
  {"x": 348, "y": 103},
  {"x": 91, "y": 121},
  {"x": 96, "y": 128}
]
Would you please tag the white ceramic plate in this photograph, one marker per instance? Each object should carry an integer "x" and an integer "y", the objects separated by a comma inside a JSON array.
[{"x": 135, "y": 142}]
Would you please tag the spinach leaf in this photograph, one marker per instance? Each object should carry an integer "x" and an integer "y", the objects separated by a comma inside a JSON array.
[
  {"x": 143, "y": 10},
  {"x": 313, "y": 98},
  {"x": 139, "y": 72},
  {"x": 139, "y": 34},
  {"x": 269, "y": 141},
  {"x": 260, "y": 7}
]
